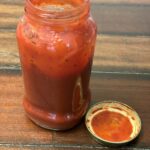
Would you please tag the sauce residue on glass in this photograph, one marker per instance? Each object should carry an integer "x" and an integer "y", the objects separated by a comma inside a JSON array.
[{"x": 112, "y": 126}]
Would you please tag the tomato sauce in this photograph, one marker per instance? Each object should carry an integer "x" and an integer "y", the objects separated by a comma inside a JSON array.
[{"x": 112, "y": 126}]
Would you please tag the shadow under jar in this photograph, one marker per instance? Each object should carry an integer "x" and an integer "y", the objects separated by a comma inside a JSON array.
[{"x": 56, "y": 42}]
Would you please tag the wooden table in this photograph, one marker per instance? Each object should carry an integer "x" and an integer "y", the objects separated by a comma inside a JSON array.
[{"x": 121, "y": 71}]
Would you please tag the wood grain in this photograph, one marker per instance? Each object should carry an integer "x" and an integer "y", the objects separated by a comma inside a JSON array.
[
  {"x": 112, "y": 53},
  {"x": 21, "y": 2},
  {"x": 121, "y": 1},
  {"x": 115, "y": 50},
  {"x": 38, "y": 148},
  {"x": 122, "y": 53},
  {"x": 122, "y": 19},
  {"x": 121, "y": 71},
  {"x": 18, "y": 131},
  {"x": 112, "y": 18}
]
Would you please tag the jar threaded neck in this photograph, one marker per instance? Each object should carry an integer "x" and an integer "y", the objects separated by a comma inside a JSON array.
[{"x": 55, "y": 11}]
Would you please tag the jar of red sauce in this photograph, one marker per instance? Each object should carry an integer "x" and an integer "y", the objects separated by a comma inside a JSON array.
[{"x": 56, "y": 42}]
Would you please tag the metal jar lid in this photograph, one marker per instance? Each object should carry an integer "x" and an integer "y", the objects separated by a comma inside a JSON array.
[{"x": 114, "y": 107}]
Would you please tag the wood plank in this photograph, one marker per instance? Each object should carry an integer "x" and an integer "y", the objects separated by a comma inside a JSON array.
[
  {"x": 122, "y": 53},
  {"x": 21, "y": 2},
  {"x": 8, "y": 50},
  {"x": 14, "y": 127},
  {"x": 113, "y": 53},
  {"x": 113, "y": 18},
  {"x": 122, "y": 19},
  {"x": 36, "y": 147},
  {"x": 47, "y": 147},
  {"x": 39, "y": 147},
  {"x": 14, "y": 2},
  {"x": 121, "y": 1},
  {"x": 17, "y": 129},
  {"x": 10, "y": 15}
]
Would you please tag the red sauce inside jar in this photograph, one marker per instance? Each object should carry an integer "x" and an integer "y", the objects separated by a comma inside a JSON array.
[
  {"x": 112, "y": 126},
  {"x": 56, "y": 58}
]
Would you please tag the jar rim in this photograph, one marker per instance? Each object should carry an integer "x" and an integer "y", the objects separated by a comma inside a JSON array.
[{"x": 80, "y": 10}]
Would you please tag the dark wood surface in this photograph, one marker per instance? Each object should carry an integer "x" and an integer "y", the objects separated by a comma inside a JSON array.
[
  {"x": 121, "y": 71},
  {"x": 17, "y": 130}
]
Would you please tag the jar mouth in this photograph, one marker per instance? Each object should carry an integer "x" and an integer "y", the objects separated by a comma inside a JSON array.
[{"x": 56, "y": 10}]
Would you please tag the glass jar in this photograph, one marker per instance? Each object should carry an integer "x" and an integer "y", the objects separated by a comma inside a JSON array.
[{"x": 56, "y": 42}]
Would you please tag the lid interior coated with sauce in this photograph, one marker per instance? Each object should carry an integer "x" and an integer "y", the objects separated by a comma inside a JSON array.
[{"x": 113, "y": 123}]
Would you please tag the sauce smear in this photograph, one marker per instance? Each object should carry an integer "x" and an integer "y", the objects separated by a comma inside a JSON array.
[{"x": 112, "y": 126}]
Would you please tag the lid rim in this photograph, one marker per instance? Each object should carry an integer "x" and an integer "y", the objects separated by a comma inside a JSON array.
[{"x": 107, "y": 142}]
